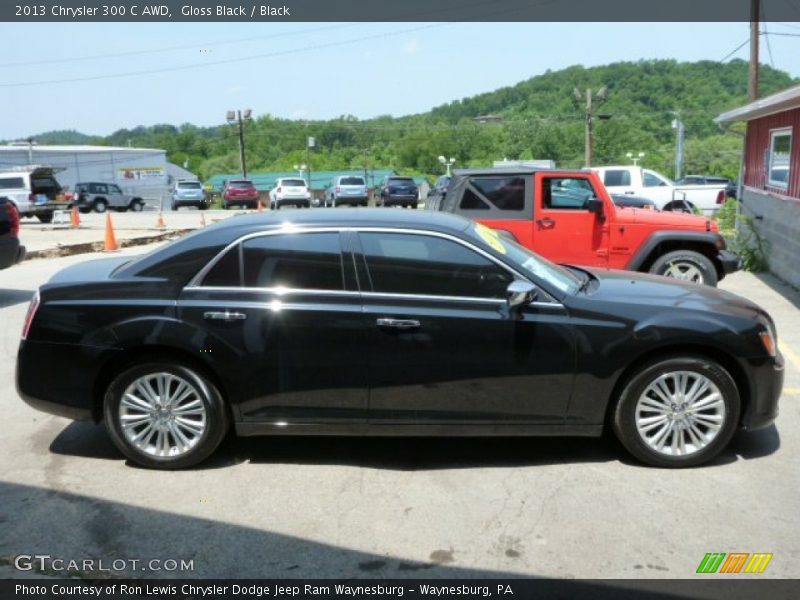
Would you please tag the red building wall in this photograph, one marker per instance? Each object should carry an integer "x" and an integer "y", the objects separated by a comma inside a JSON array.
[{"x": 758, "y": 139}]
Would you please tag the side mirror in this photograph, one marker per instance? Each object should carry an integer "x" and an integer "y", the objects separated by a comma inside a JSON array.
[
  {"x": 521, "y": 292},
  {"x": 595, "y": 205}
]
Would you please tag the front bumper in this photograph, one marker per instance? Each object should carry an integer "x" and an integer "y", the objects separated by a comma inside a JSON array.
[
  {"x": 765, "y": 387},
  {"x": 730, "y": 262}
]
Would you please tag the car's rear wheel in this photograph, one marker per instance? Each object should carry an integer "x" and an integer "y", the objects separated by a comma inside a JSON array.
[
  {"x": 137, "y": 206},
  {"x": 686, "y": 265},
  {"x": 45, "y": 217},
  {"x": 677, "y": 412},
  {"x": 165, "y": 415},
  {"x": 99, "y": 206}
]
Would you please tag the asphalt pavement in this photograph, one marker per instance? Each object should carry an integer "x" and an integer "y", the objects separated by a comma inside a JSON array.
[{"x": 346, "y": 507}]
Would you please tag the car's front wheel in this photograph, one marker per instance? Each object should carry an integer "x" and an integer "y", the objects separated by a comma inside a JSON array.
[
  {"x": 165, "y": 415},
  {"x": 679, "y": 411},
  {"x": 686, "y": 265}
]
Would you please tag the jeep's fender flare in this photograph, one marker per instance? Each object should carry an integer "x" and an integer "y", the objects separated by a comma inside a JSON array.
[{"x": 659, "y": 237}]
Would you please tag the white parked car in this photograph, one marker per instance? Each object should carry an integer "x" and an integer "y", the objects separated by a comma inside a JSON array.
[
  {"x": 665, "y": 193},
  {"x": 290, "y": 190}
]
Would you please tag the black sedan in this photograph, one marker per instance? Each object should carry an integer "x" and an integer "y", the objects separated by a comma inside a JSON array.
[{"x": 360, "y": 321}]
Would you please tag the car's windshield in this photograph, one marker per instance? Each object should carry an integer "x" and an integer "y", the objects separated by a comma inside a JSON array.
[
  {"x": 529, "y": 263},
  {"x": 293, "y": 182},
  {"x": 189, "y": 185}
]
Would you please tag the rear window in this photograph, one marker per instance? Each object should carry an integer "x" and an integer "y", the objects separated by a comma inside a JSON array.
[
  {"x": 189, "y": 185},
  {"x": 351, "y": 181},
  {"x": 293, "y": 182},
  {"x": 12, "y": 183},
  {"x": 617, "y": 177},
  {"x": 401, "y": 181},
  {"x": 240, "y": 185}
]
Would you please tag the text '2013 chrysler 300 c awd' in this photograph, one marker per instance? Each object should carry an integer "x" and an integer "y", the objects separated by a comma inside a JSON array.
[{"x": 363, "y": 321}]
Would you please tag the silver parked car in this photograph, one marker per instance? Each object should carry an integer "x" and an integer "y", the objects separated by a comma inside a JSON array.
[
  {"x": 99, "y": 197},
  {"x": 347, "y": 189}
]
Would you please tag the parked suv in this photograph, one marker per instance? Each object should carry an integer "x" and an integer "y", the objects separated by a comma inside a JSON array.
[
  {"x": 99, "y": 197},
  {"x": 239, "y": 192},
  {"x": 399, "y": 191},
  {"x": 438, "y": 191},
  {"x": 347, "y": 189},
  {"x": 34, "y": 191},
  {"x": 290, "y": 190},
  {"x": 569, "y": 217},
  {"x": 187, "y": 192}
]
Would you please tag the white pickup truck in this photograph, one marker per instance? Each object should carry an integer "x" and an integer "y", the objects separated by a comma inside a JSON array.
[{"x": 637, "y": 181}]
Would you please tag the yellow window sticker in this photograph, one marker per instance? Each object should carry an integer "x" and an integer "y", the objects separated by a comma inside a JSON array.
[{"x": 490, "y": 237}]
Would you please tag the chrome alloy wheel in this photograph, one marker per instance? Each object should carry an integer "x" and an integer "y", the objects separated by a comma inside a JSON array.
[
  {"x": 162, "y": 415},
  {"x": 680, "y": 413},
  {"x": 685, "y": 271}
]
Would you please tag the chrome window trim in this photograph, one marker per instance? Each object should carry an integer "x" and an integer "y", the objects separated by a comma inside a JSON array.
[
  {"x": 289, "y": 229},
  {"x": 278, "y": 291}
]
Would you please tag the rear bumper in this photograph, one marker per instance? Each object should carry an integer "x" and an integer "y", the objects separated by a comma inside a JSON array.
[
  {"x": 59, "y": 379},
  {"x": 293, "y": 201},
  {"x": 766, "y": 385},
  {"x": 730, "y": 262},
  {"x": 350, "y": 199},
  {"x": 394, "y": 199}
]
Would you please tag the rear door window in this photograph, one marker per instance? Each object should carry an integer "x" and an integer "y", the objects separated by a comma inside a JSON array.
[
  {"x": 616, "y": 178},
  {"x": 12, "y": 183},
  {"x": 500, "y": 197},
  {"x": 310, "y": 261}
]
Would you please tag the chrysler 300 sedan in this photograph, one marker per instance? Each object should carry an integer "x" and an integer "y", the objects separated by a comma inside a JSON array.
[{"x": 363, "y": 321}]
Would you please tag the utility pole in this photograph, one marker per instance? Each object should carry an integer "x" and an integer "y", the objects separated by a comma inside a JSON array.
[
  {"x": 680, "y": 132},
  {"x": 600, "y": 97},
  {"x": 240, "y": 117},
  {"x": 752, "y": 81}
]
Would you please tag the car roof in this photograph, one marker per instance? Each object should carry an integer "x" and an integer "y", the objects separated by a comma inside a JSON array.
[
  {"x": 350, "y": 217},
  {"x": 508, "y": 170}
]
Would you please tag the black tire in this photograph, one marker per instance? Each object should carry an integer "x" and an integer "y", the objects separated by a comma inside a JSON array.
[
  {"x": 203, "y": 206},
  {"x": 136, "y": 205},
  {"x": 624, "y": 415},
  {"x": 46, "y": 217},
  {"x": 217, "y": 420},
  {"x": 99, "y": 206},
  {"x": 688, "y": 262}
]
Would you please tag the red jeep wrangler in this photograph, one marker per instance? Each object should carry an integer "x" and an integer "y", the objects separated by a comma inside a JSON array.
[{"x": 568, "y": 217}]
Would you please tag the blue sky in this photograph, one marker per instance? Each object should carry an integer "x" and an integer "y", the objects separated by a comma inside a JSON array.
[{"x": 314, "y": 70}]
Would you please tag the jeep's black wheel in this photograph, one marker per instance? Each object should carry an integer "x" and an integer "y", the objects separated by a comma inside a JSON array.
[
  {"x": 99, "y": 206},
  {"x": 46, "y": 217},
  {"x": 165, "y": 415},
  {"x": 686, "y": 265},
  {"x": 680, "y": 411}
]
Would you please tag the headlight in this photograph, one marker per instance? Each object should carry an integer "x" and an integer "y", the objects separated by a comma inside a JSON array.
[{"x": 768, "y": 337}]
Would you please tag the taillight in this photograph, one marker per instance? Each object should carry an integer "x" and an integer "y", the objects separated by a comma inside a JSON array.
[
  {"x": 338, "y": 189},
  {"x": 31, "y": 197},
  {"x": 721, "y": 197},
  {"x": 278, "y": 190},
  {"x": 32, "y": 308},
  {"x": 13, "y": 219}
]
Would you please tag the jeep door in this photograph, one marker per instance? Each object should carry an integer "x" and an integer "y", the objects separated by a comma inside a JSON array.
[{"x": 565, "y": 230}]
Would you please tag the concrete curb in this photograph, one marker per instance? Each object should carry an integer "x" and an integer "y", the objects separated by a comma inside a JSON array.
[{"x": 88, "y": 247}]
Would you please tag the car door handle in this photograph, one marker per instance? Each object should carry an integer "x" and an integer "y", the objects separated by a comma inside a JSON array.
[
  {"x": 224, "y": 316},
  {"x": 404, "y": 324},
  {"x": 630, "y": 193},
  {"x": 546, "y": 223}
]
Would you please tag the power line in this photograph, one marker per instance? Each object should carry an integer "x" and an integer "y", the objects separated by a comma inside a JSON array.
[
  {"x": 735, "y": 50},
  {"x": 173, "y": 48}
]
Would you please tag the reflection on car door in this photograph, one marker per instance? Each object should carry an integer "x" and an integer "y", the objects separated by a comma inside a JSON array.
[
  {"x": 443, "y": 347},
  {"x": 287, "y": 328}
]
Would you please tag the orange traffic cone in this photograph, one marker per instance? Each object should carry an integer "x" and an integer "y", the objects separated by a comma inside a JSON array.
[
  {"x": 76, "y": 219},
  {"x": 160, "y": 224},
  {"x": 111, "y": 244},
  {"x": 202, "y": 219},
  {"x": 260, "y": 206}
]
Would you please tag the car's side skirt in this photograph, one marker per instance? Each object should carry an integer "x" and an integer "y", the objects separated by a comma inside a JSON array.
[{"x": 425, "y": 430}]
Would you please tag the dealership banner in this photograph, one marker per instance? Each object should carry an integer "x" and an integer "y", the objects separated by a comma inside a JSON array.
[
  {"x": 402, "y": 11},
  {"x": 140, "y": 173},
  {"x": 463, "y": 589}
]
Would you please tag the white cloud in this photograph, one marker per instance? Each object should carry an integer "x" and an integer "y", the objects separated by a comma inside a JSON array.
[{"x": 300, "y": 113}]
